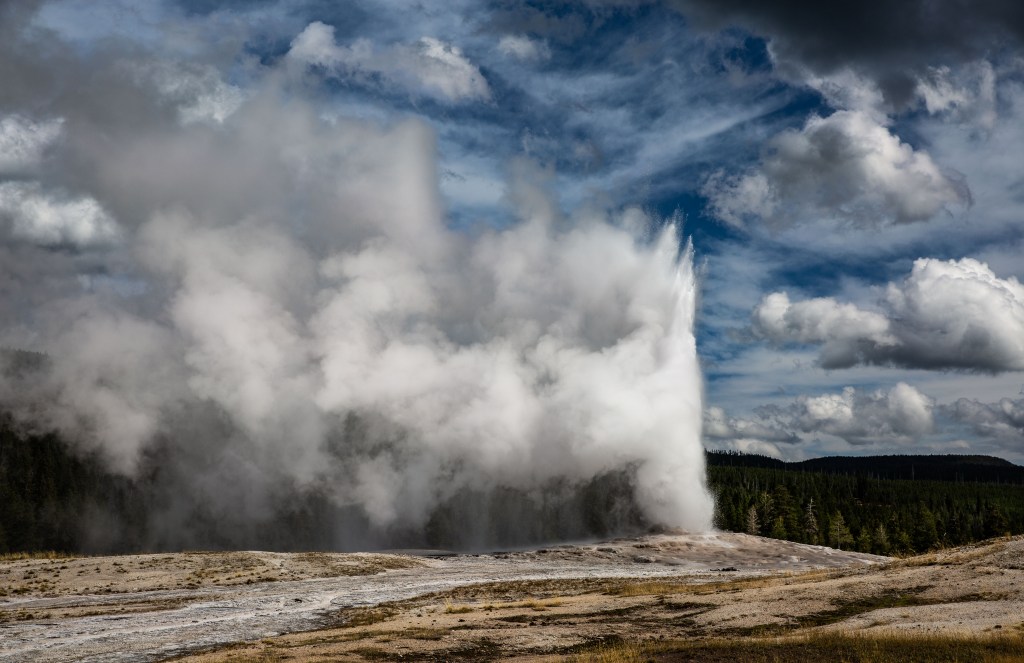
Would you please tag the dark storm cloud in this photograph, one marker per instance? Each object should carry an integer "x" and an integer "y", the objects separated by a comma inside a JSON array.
[{"x": 891, "y": 41}]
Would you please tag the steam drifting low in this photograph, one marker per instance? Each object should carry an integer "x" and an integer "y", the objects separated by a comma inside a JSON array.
[{"x": 277, "y": 308}]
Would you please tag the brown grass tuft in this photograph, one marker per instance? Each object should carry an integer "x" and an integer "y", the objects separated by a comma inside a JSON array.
[{"x": 453, "y": 609}]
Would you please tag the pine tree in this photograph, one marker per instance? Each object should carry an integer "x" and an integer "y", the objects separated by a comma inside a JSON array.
[
  {"x": 753, "y": 524},
  {"x": 766, "y": 509},
  {"x": 778, "y": 528},
  {"x": 925, "y": 533},
  {"x": 880, "y": 541},
  {"x": 995, "y": 522},
  {"x": 901, "y": 542},
  {"x": 864, "y": 540},
  {"x": 838, "y": 533},
  {"x": 810, "y": 523}
]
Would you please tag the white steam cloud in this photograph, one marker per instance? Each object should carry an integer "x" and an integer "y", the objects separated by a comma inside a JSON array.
[
  {"x": 311, "y": 323},
  {"x": 53, "y": 218},
  {"x": 23, "y": 142},
  {"x": 202, "y": 95}
]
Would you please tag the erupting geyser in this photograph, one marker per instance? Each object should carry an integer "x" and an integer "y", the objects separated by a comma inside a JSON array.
[{"x": 292, "y": 317}]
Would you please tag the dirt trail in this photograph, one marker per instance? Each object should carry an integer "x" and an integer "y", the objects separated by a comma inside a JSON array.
[{"x": 150, "y": 607}]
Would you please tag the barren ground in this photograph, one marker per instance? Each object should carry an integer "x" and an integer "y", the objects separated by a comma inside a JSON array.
[{"x": 527, "y": 605}]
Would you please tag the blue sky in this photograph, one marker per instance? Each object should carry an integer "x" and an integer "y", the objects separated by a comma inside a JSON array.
[{"x": 856, "y": 204}]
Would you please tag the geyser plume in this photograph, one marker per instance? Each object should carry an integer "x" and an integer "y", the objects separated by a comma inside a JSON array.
[{"x": 282, "y": 311}]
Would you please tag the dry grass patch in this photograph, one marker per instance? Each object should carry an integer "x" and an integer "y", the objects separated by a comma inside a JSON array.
[
  {"x": 540, "y": 606},
  {"x": 683, "y": 586},
  {"x": 42, "y": 554},
  {"x": 453, "y": 609},
  {"x": 950, "y": 556},
  {"x": 622, "y": 652},
  {"x": 537, "y": 605},
  {"x": 368, "y": 616},
  {"x": 424, "y": 633},
  {"x": 517, "y": 590},
  {"x": 838, "y": 647}
]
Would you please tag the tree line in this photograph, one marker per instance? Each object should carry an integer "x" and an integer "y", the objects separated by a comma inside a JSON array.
[
  {"x": 849, "y": 506},
  {"x": 54, "y": 499}
]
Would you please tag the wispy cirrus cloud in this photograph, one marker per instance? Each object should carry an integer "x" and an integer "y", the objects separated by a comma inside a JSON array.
[
  {"x": 428, "y": 66},
  {"x": 522, "y": 47}
]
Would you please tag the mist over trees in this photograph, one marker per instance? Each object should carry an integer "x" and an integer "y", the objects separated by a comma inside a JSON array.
[{"x": 54, "y": 499}]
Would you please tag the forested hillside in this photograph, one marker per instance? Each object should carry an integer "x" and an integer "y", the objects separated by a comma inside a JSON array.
[
  {"x": 950, "y": 467},
  {"x": 851, "y": 503}
]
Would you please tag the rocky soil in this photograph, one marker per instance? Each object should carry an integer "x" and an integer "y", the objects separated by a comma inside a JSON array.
[{"x": 529, "y": 605}]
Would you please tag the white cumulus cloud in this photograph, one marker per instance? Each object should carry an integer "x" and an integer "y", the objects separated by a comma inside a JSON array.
[
  {"x": 1002, "y": 421},
  {"x": 843, "y": 329},
  {"x": 946, "y": 314},
  {"x": 847, "y": 167},
  {"x": 717, "y": 425},
  {"x": 900, "y": 415}
]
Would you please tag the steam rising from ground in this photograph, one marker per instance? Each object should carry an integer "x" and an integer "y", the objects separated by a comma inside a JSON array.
[{"x": 291, "y": 315}]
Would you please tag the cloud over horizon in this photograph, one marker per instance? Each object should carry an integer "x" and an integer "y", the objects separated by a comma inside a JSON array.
[
  {"x": 898, "y": 416},
  {"x": 1001, "y": 422}
]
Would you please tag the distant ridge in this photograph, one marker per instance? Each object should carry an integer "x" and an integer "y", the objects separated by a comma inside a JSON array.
[{"x": 947, "y": 467}]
